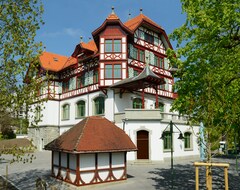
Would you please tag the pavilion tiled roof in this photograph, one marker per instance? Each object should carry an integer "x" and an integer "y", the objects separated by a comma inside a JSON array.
[
  {"x": 145, "y": 79},
  {"x": 54, "y": 62},
  {"x": 93, "y": 134}
]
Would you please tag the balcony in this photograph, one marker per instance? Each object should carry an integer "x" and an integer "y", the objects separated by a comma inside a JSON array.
[{"x": 149, "y": 114}]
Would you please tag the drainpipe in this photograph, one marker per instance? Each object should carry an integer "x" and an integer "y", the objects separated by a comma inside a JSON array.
[
  {"x": 59, "y": 109},
  {"x": 124, "y": 121}
]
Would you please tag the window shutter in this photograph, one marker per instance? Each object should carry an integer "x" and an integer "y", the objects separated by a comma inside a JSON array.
[
  {"x": 86, "y": 79},
  {"x": 73, "y": 83},
  {"x": 59, "y": 87},
  {"x": 151, "y": 58},
  {"x": 147, "y": 56},
  {"x": 142, "y": 35},
  {"x": 130, "y": 72},
  {"x": 90, "y": 77},
  {"x": 156, "y": 41},
  {"x": 166, "y": 63},
  {"x": 130, "y": 50},
  {"x": 166, "y": 85}
]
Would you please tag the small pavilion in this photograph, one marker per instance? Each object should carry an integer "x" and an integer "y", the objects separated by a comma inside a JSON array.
[{"x": 93, "y": 151}]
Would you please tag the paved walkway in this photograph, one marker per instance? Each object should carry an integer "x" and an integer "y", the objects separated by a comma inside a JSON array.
[{"x": 140, "y": 176}]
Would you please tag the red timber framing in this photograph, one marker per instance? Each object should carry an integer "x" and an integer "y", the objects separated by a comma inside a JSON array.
[{"x": 66, "y": 173}]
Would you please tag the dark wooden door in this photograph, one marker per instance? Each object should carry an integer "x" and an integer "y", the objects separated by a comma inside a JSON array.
[{"x": 142, "y": 145}]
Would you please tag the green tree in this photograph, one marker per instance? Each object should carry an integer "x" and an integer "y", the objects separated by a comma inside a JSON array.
[
  {"x": 19, "y": 55},
  {"x": 19, "y": 22},
  {"x": 208, "y": 62}
]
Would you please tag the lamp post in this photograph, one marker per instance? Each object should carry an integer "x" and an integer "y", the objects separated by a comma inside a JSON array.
[{"x": 171, "y": 124}]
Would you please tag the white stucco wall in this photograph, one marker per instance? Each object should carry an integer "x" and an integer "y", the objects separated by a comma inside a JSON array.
[{"x": 155, "y": 129}]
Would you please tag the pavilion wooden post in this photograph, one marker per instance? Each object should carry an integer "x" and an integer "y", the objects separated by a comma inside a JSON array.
[{"x": 209, "y": 174}]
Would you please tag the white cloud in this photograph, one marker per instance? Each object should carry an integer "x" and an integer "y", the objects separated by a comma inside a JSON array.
[{"x": 72, "y": 32}]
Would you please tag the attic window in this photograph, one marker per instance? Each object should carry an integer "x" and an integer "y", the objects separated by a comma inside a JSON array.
[{"x": 55, "y": 59}]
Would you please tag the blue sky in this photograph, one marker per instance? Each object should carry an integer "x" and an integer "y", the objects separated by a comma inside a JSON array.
[{"x": 67, "y": 20}]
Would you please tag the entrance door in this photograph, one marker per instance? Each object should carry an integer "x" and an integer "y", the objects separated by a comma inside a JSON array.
[{"x": 142, "y": 145}]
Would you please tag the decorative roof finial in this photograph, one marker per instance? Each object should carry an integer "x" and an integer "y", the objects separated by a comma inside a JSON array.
[
  {"x": 81, "y": 39},
  {"x": 113, "y": 10},
  {"x": 129, "y": 15},
  {"x": 141, "y": 10}
]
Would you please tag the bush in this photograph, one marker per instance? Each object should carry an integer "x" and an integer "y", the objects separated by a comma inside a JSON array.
[{"x": 8, "y": 133}]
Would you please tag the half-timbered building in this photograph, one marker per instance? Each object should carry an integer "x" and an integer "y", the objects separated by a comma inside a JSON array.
[{"x": 122, "y": 74}]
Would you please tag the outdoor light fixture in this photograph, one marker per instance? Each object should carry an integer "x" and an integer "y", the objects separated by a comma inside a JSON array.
[{"x": 181, "y": 137}]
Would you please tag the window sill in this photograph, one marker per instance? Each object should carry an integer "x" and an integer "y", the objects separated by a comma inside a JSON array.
[
  {"x": 101, "y": 114},
  {"x": 188, "y": 149},
  {"x": 80, "y": 117},
  {"x": 64, "y": 119},
  {"x": 167, "y": 150}
]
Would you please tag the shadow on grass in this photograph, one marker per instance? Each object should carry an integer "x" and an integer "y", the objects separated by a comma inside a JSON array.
[{"x": 183, "y": 178}]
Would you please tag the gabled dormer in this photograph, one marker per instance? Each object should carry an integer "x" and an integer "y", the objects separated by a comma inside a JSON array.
[
  {"x": 148, "y": 34},
  {"x": 111, "y": 38}
]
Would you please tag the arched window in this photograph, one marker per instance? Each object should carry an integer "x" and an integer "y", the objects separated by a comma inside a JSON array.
[
  {"x": 137, "y": 103},
  {"x": 80, "y": 109},
  {"x": 65, "y": 112},
  {"x": 167, "y": 140},
  {"x": 160, "y": 106},
  {"x": 99, "y": 105},
  {"x": 187, "y": 140}
]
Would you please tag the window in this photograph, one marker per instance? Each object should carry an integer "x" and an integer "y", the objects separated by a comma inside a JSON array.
[
  {"x": 137, "y": 54},
  {"x": 99, "y": 105},
  {"x": 113, "y": 71},
  {"x": 80, "y": 81},
  {"x": 112, "y": 45},
  {"x": 65, "y": 86},
  {"x": 158, "y": 62},
  {"x": 137, "y": 103},
  {"x": 161, "y": 106},
  {"x": 80, "y": 109},
  {"x": 187, "y": 140},
  {"x": 149, "y": 38},
  {"x": 162, "y": 86},
  {"x": 65, "y": 112},
  {"x": 167, "y": 141}
]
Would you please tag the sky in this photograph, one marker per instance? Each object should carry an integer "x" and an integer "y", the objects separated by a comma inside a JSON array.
[{"x": 67, "y": 20}]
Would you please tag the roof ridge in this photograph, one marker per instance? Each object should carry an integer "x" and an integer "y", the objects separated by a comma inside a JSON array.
[{"x": 80, "y": 136}]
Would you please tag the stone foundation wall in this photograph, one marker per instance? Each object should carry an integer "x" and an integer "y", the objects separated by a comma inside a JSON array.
[{"x": 43, "y": 135}]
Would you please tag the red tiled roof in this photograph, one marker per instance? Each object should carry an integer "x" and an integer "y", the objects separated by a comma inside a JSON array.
[
  {"x": 93, "y": 134},
  {"x": 112, "y": 16},
  {"x": 133, "y": 23},
  {"x": 54, "y": 62},
  {"x": 90, "y": 46}
]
